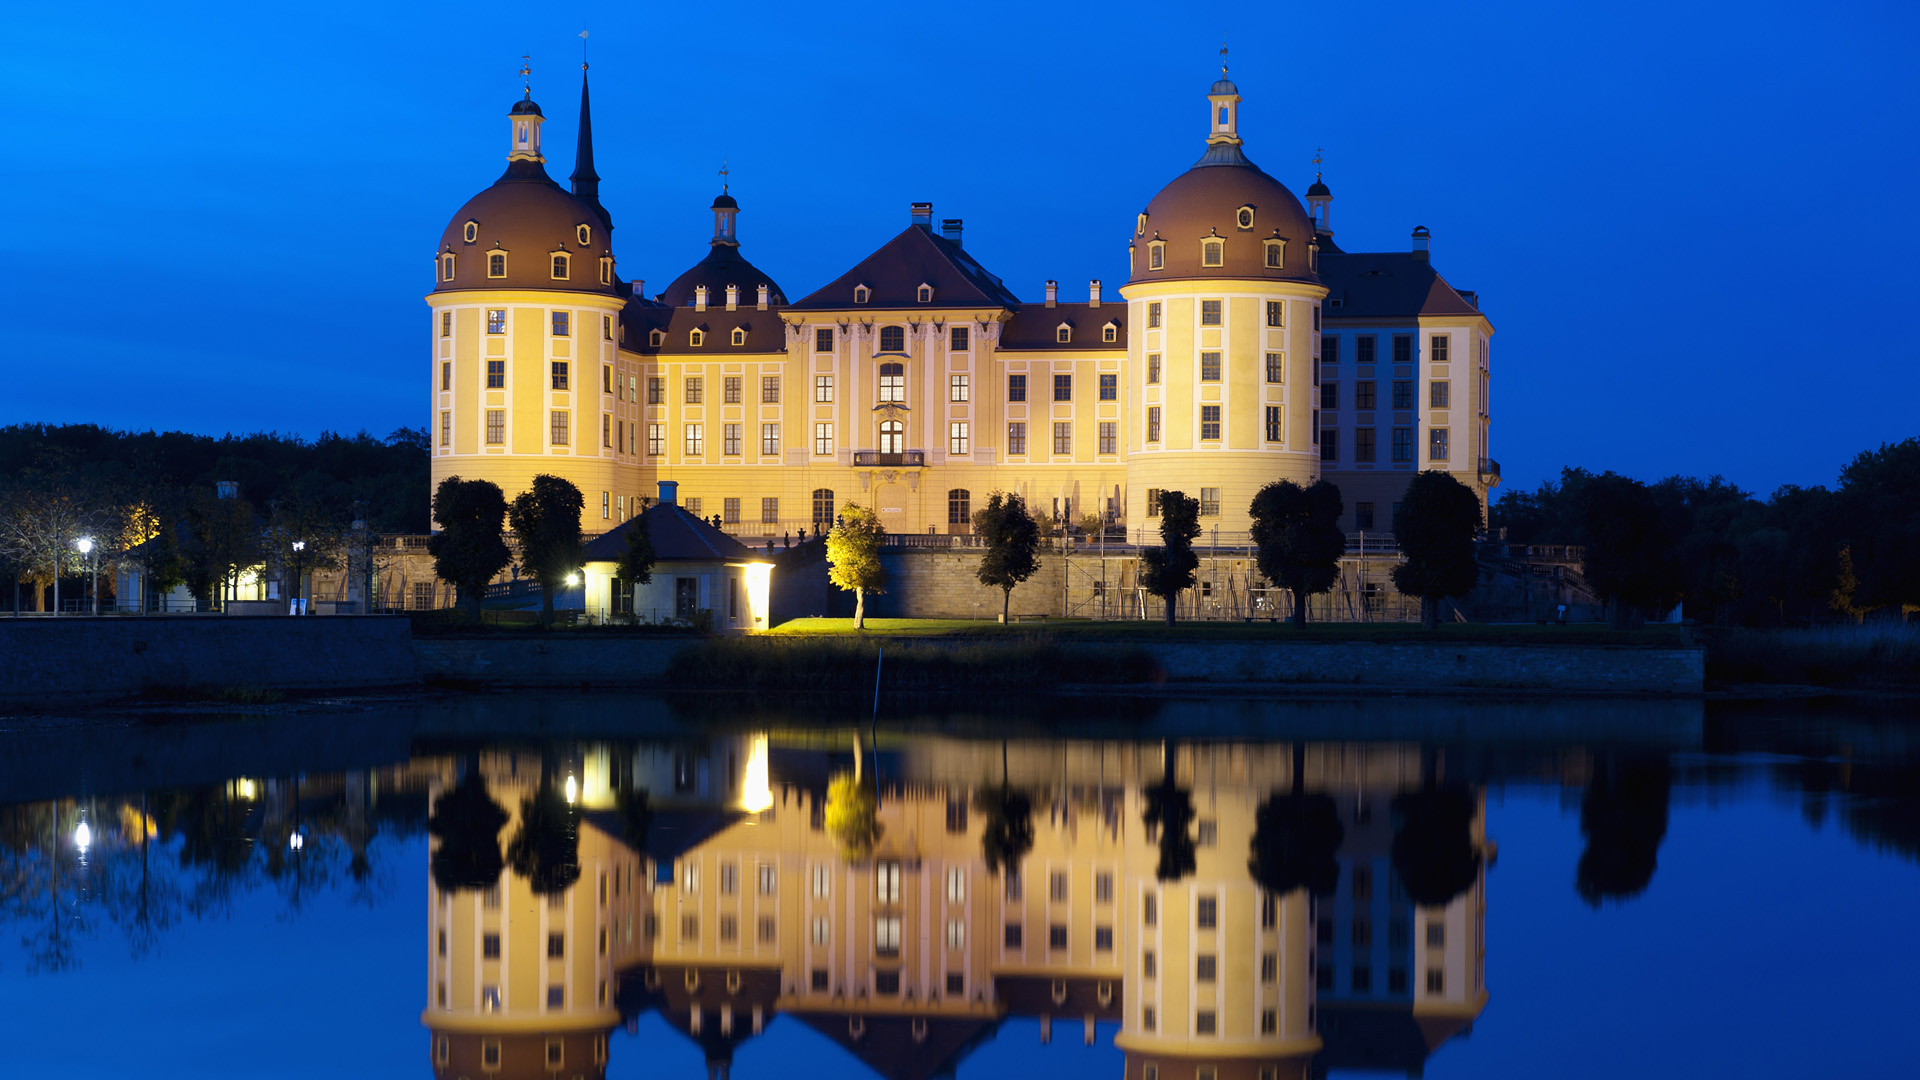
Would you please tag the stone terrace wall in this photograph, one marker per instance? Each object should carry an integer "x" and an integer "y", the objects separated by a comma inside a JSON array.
[
  {"x": 1491, "y": 667},
  {"x": 935, "y": 584}
]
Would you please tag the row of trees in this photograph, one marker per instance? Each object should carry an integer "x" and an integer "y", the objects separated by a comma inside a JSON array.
[
  {"x": 1730, "y": 557},
  {"x": 471, "y": 549}
]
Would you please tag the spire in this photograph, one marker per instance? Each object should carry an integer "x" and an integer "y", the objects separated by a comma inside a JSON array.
[{"x": 586, "y": 182}]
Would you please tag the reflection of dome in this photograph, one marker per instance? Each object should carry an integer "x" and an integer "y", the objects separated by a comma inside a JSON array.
[
  {"x": 1206, "y": 200},
  {"x": 530, "y": 218},
  {"x": 510, "y": 1055}
]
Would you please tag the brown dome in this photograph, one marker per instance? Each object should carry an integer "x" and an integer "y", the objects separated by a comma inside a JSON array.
[
  {"x": 530, "y": 218},
  {"x": 1206, "y": 200}
]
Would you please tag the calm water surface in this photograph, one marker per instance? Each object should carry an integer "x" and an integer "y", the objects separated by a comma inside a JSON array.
[{"x": 620, "y": 886}]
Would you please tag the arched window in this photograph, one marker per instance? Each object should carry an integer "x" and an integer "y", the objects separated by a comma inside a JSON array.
[
  {"x": 959, "y": 507},
  {"x": 739, "y": 335},
  {"x": 1157, "y": 255},
  {"x": 893, "y": 339},
  {"x": 1223, "y": 116},
  {"x": 1213, "y": 253},
  {"x": 696, "y": 337},
  {"x": 1110, "y": 333},
  {"x": 606, "y": 271},
  {"x": 823, "y": 506},
  {"x": 893, "y": 382},
  {"x": 893, "y": 436},
  {"x": 560, "y": 267},
  {"x": 497, "y": 264},
  {"x": 446, "y": 267}
]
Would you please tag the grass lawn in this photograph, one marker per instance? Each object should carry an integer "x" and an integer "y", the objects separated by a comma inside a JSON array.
[{"x": 1069, "y": 630}]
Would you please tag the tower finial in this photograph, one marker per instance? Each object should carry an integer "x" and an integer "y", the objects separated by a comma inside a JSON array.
[
  {"x": 1317, "y": 151},
  {"x": 1223, "y": 56},
  {"x": 526, "y": 74},
  {"x": 583, "y": 50},
  {"x": 723, "y": 176}
]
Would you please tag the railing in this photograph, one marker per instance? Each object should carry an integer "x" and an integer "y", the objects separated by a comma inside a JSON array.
[
  {"x": 907, "y": 459},
  {"x": 1490, "y": 468}
]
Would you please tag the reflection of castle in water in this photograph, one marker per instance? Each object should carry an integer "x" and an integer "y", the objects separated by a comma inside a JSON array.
[{"x": 742, "y": 908}]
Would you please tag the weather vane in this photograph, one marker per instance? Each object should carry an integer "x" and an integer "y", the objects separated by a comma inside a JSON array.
[
  {"x": 583, "y": 50},
  {"x": 1317, "y": 151},
  {"x": 1223, "y": 55},
  {"x": 723, "y": 176},
  {"x": 526, "y": 73}
]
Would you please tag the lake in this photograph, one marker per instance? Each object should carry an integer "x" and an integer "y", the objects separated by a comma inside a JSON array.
[{"x": 625, "y": 885}]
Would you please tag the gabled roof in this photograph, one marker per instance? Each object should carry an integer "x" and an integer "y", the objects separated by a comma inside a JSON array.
[
  {"x": 676, "y": 535},
  {"x": 1034, "y": 327},
  {"x": 896, "y": 272},
  {"x": 1391, "y": 284}
]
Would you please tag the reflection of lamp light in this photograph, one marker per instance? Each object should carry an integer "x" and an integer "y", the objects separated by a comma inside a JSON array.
[
  {"x": 573, "y": 790},
  {"x": 244, "y": 789},
  {"x": 295, "y": 842},
  {"x": 755, "y": 793},
  {"x": 82, "y": 836}
]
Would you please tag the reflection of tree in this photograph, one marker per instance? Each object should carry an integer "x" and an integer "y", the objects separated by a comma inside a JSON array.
[
  {"x": 1624, "y": 816},
  {"x": 545, "y": 849},
  {"x": 636, "y": 818},
  {"x": 1296, "y": 838},
  {"x": 467, "y": 822},
  {"x": 1170, "y": 809},
  {"x": 853, "y": 814},
  {"x": 1007, "y": 835},
  {"x": 1433, "y": 849}
]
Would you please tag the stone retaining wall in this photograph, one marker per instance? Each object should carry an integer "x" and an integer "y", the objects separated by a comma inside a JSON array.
[
  {"x": 1618, "y": 669},
  {"x": 554, "y": 661}
]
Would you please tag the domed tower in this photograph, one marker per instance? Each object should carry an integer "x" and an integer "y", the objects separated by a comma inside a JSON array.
[
  {"x": 1225, "y": 298},
  {"x": 729, "y": 280},
  {"x": 525, "y": 317}
]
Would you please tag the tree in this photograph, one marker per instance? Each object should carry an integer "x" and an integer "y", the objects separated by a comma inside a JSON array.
[
  {"x": 1296, "y": 838},
  {"x": 1169, "y": 808},
  {"x": 1439, "y": 517},
  {"x": 1297, "y": 531},
  {"x": 1878, "y": 500},
  {"x": 853, "y": 813},
  {"x": 1013, "y": 545},
  {"x": 1167, "y": 570},
  {"x": 1623, "y": 814},
  {"x": 226, "y": 540},
  {"x": 546, "y": 521},
  {"x": 467, "y": 822},
  {"x": 1433, "y": 848},
  {"x": 636, "y": 561},
  {"x": 1846, "y": 588},
  {"x": 1628, "y": 556},
  {"x": 469, "y": 550},
  {"x": 853, "y": 557},
  {"x": 1007, "y": 836},
  {"x": 546, "y": 848}
]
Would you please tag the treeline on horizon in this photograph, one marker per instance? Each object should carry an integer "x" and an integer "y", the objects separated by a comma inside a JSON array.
[{"x": 1800, "y": 555}]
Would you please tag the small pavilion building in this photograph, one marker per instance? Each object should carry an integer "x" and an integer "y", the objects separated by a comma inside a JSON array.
[{"x": 697, "y": 568}]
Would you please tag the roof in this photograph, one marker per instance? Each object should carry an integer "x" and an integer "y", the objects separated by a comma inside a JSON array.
[
  {"x": 766, "y": 331},
  {"x": 1034, "y": 326},
  {"x": 525, "y": 106},
  {"x": 888, "y": 1047},
  {"x": 528, "y": 216},
  {"x": 676, "y": 535},
  {"x": 1204, "y": 202},
  {"x": 1380, "y": 1036},
  {"x": 896, "y": 271},
  {"x": 1388, "y": 284},
  {"x": 1032, "y": 995},
  {"x": 723, "y": 266}
]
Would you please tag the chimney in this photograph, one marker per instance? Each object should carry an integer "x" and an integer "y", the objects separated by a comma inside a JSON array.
[
  {"x": 762, "y": 298},
  {"x": 700, "y": 298},
  {"x": 1093, "y": 293},
  {"x": 923, "y": 214},
  {"x": 950, "y": 228},
  {"x": 1421, "y": 238},
  {"x": 733, "y": 297},
  {"x": 669, "y": 492},
  {"x": 1053, "y": 293}
]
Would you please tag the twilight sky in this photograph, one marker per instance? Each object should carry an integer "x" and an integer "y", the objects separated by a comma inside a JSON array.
[{"x": 221, "y": 217}]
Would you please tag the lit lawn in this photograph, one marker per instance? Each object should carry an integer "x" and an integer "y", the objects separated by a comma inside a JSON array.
[{"x": 1108, "y": 630}]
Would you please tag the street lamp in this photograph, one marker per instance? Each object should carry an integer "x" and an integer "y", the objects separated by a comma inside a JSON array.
[
  {"x": 85, "y": 544},
  {"x": 299, "y": 561}
]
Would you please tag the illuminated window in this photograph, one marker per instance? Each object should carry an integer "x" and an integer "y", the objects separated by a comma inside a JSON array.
[
  {"x": 769, "y": 389},
  {"x": 496, "y": 320},
  {"x": 957, "y": 438},
  {"x": 823, "y": 388},
  {"x": 1017, "y": 438},
  {"x": 769, "y": 440},
  {"x": 957, "y": 388},
  {"x": 1153, "y": 369},
  {"x": 1153, "y": 315},
  {"x": 893, "y": 382},
  {"x": 1109, "y": 437},
  {"x": 730, "y": 389},
  {"x": 557, "y": 427},
  {"x": 496, "y": 427},
  {"x": 446, "y": 428},
  {"x": 560, "y": 264},
  {"x": 1063, "y": 437},
  {"x": 730, "y": 439},
  {"x": 1209, "y": 507},
  {"x": 695, "y": 440},
  {"x": 1153, "y": 423},
  {"x": 1273, "y": 423},
  {"x": 695, "y": 389}
]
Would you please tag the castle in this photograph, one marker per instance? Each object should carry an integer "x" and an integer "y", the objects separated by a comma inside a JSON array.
[{"x": 1245, "y": 347}]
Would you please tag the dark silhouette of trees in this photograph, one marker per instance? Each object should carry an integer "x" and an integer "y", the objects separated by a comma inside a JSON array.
[
  {"x": 469, "y": 549},
  {"x": 1007, "y": 835},
  {"x": 1012, "y": 540},
  {"x": 545, "y": 849},
  {"x": 1169, "y": 808},
  {"x": 1879, "y": 504},
  {"x": 1296, "y": 838},
  {"x": 1167, "y": 569},
  {"x": 546, "y": 522},
  {"x": 1297, "y": 531},
  {"x": 1438, "y": 521},
  {"x": 1433, "y": 848},
  {"x": 637, "y": 559},
  {"x": 1628, "y": 548},
  {"x": 1623, "y": 815},
  {"x": 467, "y": 822},
  {"x": 635, "y": 808}
]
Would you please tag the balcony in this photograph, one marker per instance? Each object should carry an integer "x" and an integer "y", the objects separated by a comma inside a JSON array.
[
  {"x": 873, "y": 459},
  {"x": 1489, "y": 470}
]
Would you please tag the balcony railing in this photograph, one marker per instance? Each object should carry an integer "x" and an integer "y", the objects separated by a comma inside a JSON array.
[
  {"x": 1490, "y": 469},
  {"x": 908, "y": 459}
]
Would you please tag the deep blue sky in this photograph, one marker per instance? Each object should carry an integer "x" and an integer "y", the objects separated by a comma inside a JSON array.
[{"x": 1690, "y": 223}]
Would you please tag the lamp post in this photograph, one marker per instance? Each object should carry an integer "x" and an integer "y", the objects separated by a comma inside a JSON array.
[
  {"x": 299, "y": 562},
  {"x": 85, "y": 544}
]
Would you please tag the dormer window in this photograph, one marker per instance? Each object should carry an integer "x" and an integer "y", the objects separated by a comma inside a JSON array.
[
  {"x": 893, "y": 339},
  {"x": 446, "y": 267},
  {"x": 560, "y": 265},
  {"x": 1157, "y": 255},
  {"x": 1244, "y": 217},
  {"x": 696, "y": 338},
  {"x": 472, "y": 232},
  {"x": 497, "y": 264},
  {"x": 657, "y": 338},
  {"x": 926, "y": 294},
  {"x": 1276, "y": 254},
  {"x": 1140, "y": 225},
  {"x": 1063, "y": 333},
  {"x": 860, "y": 294},
  {"x": 739, "y": 335},
  {"x": 606, "y": 271},
  {"x": 585, "y": 233},
  {"x": 1213, "y": 253},
  {"x": 1110, "y": 333}
]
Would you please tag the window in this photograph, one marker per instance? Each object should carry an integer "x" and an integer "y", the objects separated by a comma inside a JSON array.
[
  {"x": 892, "y": 436},
  {"x": 446, "y": 324},
  {"x": 656, "y": 390},
  {"x": 1436, "y": 981},
  {"x": 1276, "y": 255},
  {"x": 1437, "y": 348},
  {"x": 1148, "y": 965},
  {"x": 769, "y": 440},
  {"x": 1153, "y": 315},
  {"x": 957, "y": 389},
  {"x": 729, "y": 928},
  {"x": 585, "y": 234},
  {"x": 656, "y": 439},
  {"x": 496, "y": 264},
  {"x": 1209, "y": 421},
  {"x": 496, "y": 374},
  {"x": 1209, "y": 367},
  {"x": 1209, "y": 507},
  {"x": 1058, "y": 887},
  {"x": 861, "y": 294},
  {"x": 1063, "y": 388},
  {"x": 1157, "y": 255},
  {"x": 1013, "y": 936},
  {"x": 730, "y": 389},
  {"x": 1275, "y": 310},
  {"x": 559, "y": 374},
  {"x": 1329, "y": 444},
  {"x": 822, "y": 930},
  {"x": 1063, "y": 437},
  {"x": 820, "y": 974},
  {"x": 1063, "y": 333},
  {"x": 1437, "y": 444},
  {"x": 656, "y": 337},
  {"x": 886, "y": 882},
  {"x": 556, "y": 946},
  {"x": 1057, "y": 937},
  {"x": 956, "y": 984},
  {"x": 823, "y": 340},
  {"x": 823, "y": 438},
  {"x": 1403, "y": 348},
  {"x": 1206, "y": 968},
  {"x": 1206, "y": 912},
  {"x": 739, "y": 336},
  {"x": 1153, "y": 423},
  {"x": 1017, "y": 437},
  {"x": 730, "y": 440},
  {"x": 1436, "y": 934},
  {"x": 1205, "y": 1022},
  {"x": 562, "y": 326},
  {"x": 770, "y": 511},
  {"x": 1209, "y": 313},
  {"x": 1110, "y": 333},
  {"x": 1363, "y": 349},
  {"x": 956, "y": 934},
  {"x": 769, "y": 389},
  {"x": 957, "y": 876},
  {"x": 696, "y": 440},
  {"x": 472, "y": 232},
  {"x": 957, "y": 438},
  {"x": 823, "y": 389},
  {"x": 886, "y": 935},
  {"x": 1153, "y": 369},
  {"x": 823, "y": 501},
  {"x": 1244, "y": 217},
  {"x": 958, "y": 339},
  {"x": 1149, "y": 1071},
  {"x": 1402, "y": 444},
  {"x": 893, "y": 339},
  {"x": 1213, "y": 253},
  {"x": 1109, "y": 388},
  {"x": 1273, "y": 423},
  {"x": 490, "y": 946},
  {"x": 696, "y": 338},
  {"x": 1329, "y": 395},
  {"x": 1329, "y": 346},
  {"x": 1016, "y": 388},
  {"x": 1363, "y": 398},
  {"x": 1153, "y": 510},
  {"x": 606, "y": 278},
  {"x": 1362, "y": 513},
  {"x": 1109, "y": 437},
  {"x": 822, "y": 874},
  {"x": 893, "y": 382},
  {"x": 557, "y": 427},
  {"x": 1276, "y": 368},
  {"x": 1403, "y": 393},
  {"x": 446, "y": 428},
  {"x": 924, "y": 294},
  {"x": 1103, "y": 939},
  {"x": 560, "y": 263},
  {"x": 1363, "y": 445},
  {"x": 1269, "y": 967}
]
